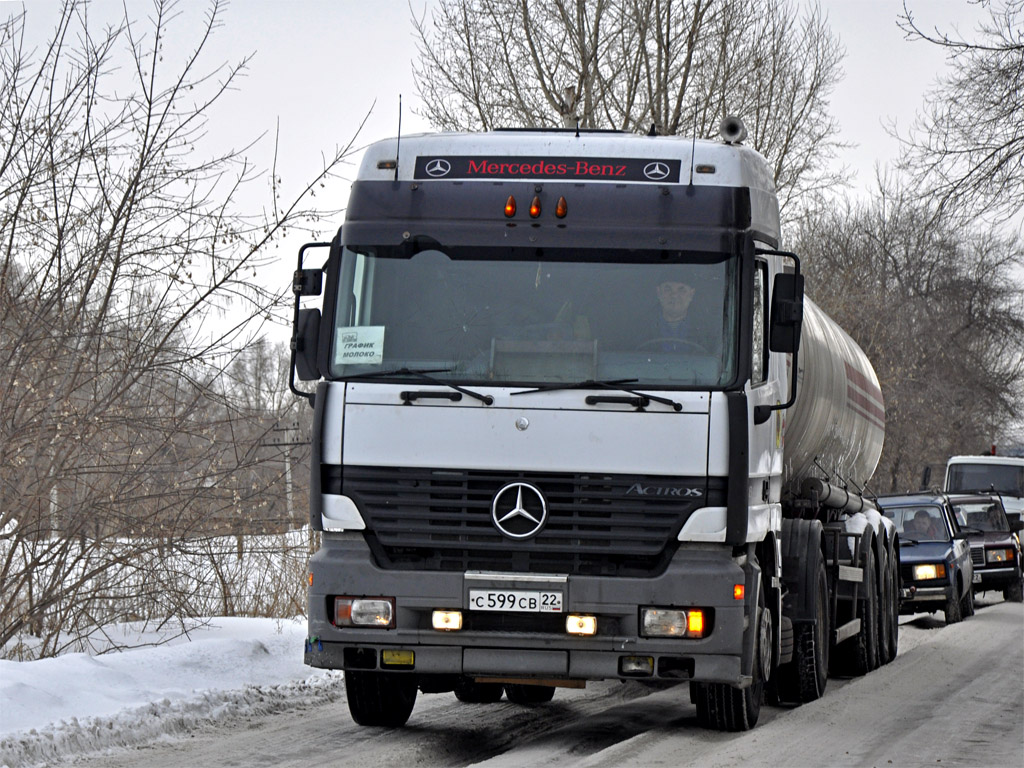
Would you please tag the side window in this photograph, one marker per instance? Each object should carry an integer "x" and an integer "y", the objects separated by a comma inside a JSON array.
[{"x": 759, "y": 341}]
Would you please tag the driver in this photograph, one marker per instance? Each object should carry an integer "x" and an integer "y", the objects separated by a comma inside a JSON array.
[{"x": 673, "y": 323}]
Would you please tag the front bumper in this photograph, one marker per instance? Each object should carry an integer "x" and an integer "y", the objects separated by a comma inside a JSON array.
[
  {"x": 702, "y": 576},
  {"x": 994, "y": 578},
  {"x": 914, "y": 599}
]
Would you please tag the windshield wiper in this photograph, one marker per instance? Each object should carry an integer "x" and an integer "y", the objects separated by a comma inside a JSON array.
[
  {"x": 637, "y": 402},
  {"x": 424, "y": 375}
]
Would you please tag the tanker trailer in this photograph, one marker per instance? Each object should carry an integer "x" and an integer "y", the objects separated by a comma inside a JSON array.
[{"x": 839, "y": 553}]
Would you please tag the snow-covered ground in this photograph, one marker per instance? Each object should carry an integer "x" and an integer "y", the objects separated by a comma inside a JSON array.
[{"x": 224, "y": 667}]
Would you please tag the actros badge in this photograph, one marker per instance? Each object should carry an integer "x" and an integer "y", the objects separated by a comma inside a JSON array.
[{"x": 519, "y": 510}]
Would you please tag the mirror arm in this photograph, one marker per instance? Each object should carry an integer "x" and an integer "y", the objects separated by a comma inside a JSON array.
[
  {"x": 301, "y": 286},
  {"x": 763, "y": 412}
]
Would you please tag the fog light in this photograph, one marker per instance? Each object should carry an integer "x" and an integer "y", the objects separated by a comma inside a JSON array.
[
  {"x": 397, "y": 658},
  {"x": 636, "y": 666},
  {"x": 580, "y": 625},
  {"x": 364, "y": 612},
  {"x": 447, "y": 621}
]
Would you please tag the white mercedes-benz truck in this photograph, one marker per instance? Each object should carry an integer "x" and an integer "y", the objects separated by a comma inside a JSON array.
[{"x": 557, "y": 439}]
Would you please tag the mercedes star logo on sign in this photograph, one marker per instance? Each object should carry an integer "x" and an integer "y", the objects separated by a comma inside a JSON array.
[
  {"x": 438, "y": 168},
  {"x": 519, "y": 510},
  {"x": 656, "y": 171}
]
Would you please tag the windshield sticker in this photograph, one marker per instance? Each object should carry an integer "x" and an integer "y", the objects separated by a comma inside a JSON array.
[
  {"x": 360, "y": 345},
  {"x": 575, "y": 168}
]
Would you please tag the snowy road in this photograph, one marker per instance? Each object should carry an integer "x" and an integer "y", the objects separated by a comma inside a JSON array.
[{"x": 953, "y": 696}]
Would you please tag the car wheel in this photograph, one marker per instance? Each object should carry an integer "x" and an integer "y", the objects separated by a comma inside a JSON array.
[
  {"x": 1015, "y": 592},
  {"x": 470, "y": 692},
  {"x": 967, "y": 604},
  {"x": 952, "y": 611}
]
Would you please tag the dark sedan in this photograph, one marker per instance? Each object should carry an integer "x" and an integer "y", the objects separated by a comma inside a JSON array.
[
  {"x": 935, "y": 560},
  {"x": 995, "y": 544}
]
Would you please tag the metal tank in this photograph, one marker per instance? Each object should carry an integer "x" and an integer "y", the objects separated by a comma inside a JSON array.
[{"x": 836, "y": 427}]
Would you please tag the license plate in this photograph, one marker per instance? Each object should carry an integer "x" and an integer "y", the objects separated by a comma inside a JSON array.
[
  {"x": 515, "y": 600},
  {"x": 976, "y": 578}
]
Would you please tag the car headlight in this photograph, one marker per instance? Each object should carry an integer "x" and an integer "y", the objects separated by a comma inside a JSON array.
[
  {"x": 927, "y": 571},
  {"x": 998, "y": 555}
]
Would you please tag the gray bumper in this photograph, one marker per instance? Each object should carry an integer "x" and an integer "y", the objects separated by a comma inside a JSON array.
[
  {"x": 695, "y": 578},
  {"x": 994, "y": 578}
]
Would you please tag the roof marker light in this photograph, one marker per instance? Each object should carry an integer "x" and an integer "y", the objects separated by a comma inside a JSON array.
[
  {"x": 562, "y": 208},
  {"x": 535, "y": 208},
  {"x": 510, "y": 207}
]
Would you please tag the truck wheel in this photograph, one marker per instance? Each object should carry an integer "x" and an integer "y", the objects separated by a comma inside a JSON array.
[
  {"x": 866, "y": 654},
  {"x": 380, "y": 698},
  {"x": 529, "y": 695},
  {"x": 804, "y": 678},
  {"x": 1015, "y": 592},
  {"x": 726, "y": 708},
  {"x": 470, "y": 692},
  {"x": 967, "y": 604},
  {"x": 952, "y": 611}
]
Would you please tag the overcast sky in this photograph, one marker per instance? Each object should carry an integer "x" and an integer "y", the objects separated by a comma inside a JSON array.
[{"x": 321, "y": 65}]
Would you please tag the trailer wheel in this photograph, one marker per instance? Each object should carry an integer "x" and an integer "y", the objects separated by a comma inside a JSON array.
[
  {"x": 380, "y": 698},
  {"x": 892, "y": 607},
  {"x": 884, "y": 584},
  {"x": 865, "y": 651},
  {"x": 726, "y": 708},
  {"x": 470, "y": 692},
  {"x": 952, "y": 610},
  {"x": 529, "y": 695}
]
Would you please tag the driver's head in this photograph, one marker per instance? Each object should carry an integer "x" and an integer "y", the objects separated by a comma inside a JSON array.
[{"x": 674, "y": 297}]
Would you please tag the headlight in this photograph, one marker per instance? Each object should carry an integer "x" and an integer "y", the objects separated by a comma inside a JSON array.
[
  {"x": 929, "y": 571},
  {"x": 364, "y": 612},
  {"x": 998, "y": 555},
  {"x": 670, "y": 622}
]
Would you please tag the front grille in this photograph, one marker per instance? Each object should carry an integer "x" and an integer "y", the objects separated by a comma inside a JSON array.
[
  {"x": 598, "y": 524},
  {"x": 978, "y": 556}
]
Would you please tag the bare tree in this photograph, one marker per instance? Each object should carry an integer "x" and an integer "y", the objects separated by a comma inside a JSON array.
[
  {"x": 121, "y": 237},
  {"x": 679, "y": 65},
  {"x": 968, "y": 143},
  {"x": 935, "y": 308}
]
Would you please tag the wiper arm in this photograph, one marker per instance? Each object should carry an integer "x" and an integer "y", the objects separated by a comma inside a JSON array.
[
  {"x": 613, "y": 384},
  {"x": 424, "y": 375}
]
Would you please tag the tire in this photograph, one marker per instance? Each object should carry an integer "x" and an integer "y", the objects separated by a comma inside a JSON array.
[
  {"x": 723, "y": 707},
  {"x": 894, "y": 602},
  {"x": 952, "y": 610},
  {"x": 1015, "y": 592},
  {"x": 884, "y": 584},
  {"x": 804, "y": 678},
  {"x": 529, "y": 695},
  {"x": 382, "y": 699},
  {"x": 967, "y": 604},
  {"x": 864, "y": 650},
  {"x": 469, "y": 692}
]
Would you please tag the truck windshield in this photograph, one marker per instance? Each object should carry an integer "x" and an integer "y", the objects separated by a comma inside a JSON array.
[
  {"x": 535, "y": 317},
  {"x": 1001, "y": 478}
]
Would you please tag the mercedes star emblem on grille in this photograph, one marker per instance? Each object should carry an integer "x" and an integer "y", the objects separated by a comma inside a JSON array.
[{"x": 519, "y": 510}]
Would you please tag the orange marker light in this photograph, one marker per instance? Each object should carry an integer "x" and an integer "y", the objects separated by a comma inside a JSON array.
[
  {"x": 695, "y": 622},
  {"x": 310, "y": 579},
  {"x": 738, "y": 592},
  {"x": 510, "y": 207},
  {"x": 535, "y": 208},
  {"x": 562, "y": 208}
]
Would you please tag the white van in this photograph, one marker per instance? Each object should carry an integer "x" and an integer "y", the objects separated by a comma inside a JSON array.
[{"x": 1001, "y": 474}]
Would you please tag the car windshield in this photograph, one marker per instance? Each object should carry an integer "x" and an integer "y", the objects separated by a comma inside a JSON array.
[
  {"x": 538, "y": 316},
  {"x": 999, "y": 478},
  {"x": 984, "y": 516},
  {"x": 920, "y": 523}
]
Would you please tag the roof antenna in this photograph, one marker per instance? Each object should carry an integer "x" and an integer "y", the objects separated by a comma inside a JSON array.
[
  {"x": 398, "y": 143},
  {"x": 577, "y": 127}
]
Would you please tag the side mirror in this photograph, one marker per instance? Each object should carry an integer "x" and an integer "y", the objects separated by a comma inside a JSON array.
[
  {"x": 926, "y": 477},
  {"x": 305, "y": 343},
  {"x": 787, "y": 312},
  {"x": 1016, "y": 524}
]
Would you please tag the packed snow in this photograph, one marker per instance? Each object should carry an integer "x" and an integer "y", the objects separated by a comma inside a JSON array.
[{"x": 221, "y": 668}]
